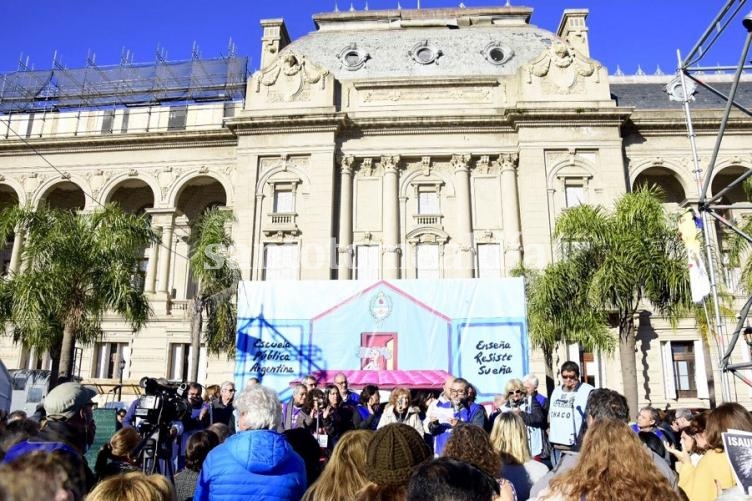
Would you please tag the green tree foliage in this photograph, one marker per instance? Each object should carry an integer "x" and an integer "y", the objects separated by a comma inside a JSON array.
[
  {"x": 616, "y": 264},
  {"x": 217, "y": 277},
  {"x": 75, "y": 267}
]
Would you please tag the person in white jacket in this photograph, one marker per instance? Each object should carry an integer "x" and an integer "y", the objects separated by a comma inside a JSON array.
[{"x": 399, "y": 410}]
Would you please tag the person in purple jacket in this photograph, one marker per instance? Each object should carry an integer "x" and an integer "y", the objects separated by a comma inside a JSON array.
[
  {"x": 257, "y": 462},
  {"x": 443, "y": 417}
]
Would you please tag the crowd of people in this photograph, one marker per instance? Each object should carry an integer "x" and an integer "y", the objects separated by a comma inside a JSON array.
[{"x": 330, "y": 443}]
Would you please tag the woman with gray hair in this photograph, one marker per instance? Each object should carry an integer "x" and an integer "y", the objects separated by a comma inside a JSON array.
[{"x": 257, "y": 462}]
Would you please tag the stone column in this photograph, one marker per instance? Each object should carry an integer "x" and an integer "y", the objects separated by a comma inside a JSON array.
[
  {"x": 345, "y": 250},
  {"x": 510, "y": 211},
  {"x": 464, "y": 236},
  {"x": 390, "y": 214},
  {"x": 151, "y": 269},
  {"x": 15, "y": 255},
  {"x": 165, "y": 220}
]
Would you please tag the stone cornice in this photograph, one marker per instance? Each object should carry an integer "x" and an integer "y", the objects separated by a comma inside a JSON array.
[
  {"x": 287, "y": 123},
  {"x": 569, "y": 117},
  {"x": 664, "y": 122},
  {"x": 119, "y": 142}
]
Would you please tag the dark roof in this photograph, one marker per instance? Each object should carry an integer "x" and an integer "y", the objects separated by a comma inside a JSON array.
[{"x": 653, "y": 95}]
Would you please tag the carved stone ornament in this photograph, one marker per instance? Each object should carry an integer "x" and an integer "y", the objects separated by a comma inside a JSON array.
[
  {"x": 497, "y": 53},
  {"x": 508, "y": 161},
  {"x": 366, "y": 167},
  {"x": 483, "y": 165},
  {"x": 291, "y": 76},
  {"x": 97, "y": 180},
  {"x": 425, "y": 53},
  {"x": 390, "y": 163},
  {"x": 352, "y": 58},
  {"x": 460, "y": 161},
  {"x": 425, "y": 164},
  {"x": 675, "y": 90},
  {"x": 562, "y": 64},
  {"x": 346, "y": 164}
]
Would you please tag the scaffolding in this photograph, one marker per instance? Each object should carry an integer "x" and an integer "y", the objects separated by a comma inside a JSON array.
[
  {"x": 690, "y": 74},
  {"x": 125, "y": 85}
]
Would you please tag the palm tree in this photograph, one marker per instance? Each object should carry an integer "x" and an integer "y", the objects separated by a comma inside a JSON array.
[
  {"x": 217, "y": 277},
  {"x": 632, "y": 256},
  {"x": 76, "y": 267},
  {"x": 559, "y": 311}
]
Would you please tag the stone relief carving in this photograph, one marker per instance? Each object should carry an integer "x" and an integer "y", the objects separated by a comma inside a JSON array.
[
  {"x": 165, "y": 177},
  {"x": 97, "y": 179},
  {"x": 31, "y": 182},
  {"x": 390, "y": 163},
  {"x": 562, "y": 65},
  {"x": 460, "y": 161},
  {"x": 346, "y": 164},
  {"x": 469, "y": 94},
  {"x": 425, "y": 165},
  {"x": 483, "y": 165},
  {"x": 290, "y": 78},
  {"x": 367, "y": 167}
]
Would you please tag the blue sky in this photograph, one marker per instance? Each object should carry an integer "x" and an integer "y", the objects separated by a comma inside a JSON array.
[{"x": 624, "y": 32}]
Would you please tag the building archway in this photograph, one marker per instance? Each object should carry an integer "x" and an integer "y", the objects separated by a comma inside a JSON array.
[
  {"x": 665, "y": 179},
  {"x": 132, "y": 195},
  {"x": 64, "y": 195},
  {"x": 195, "y": 197}
]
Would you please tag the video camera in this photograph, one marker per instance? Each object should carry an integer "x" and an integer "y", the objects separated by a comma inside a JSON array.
[{"x": 161, "y": 404}]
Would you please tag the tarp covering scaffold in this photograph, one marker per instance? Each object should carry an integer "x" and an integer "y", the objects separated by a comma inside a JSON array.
[{"x": 219, "y": 79}]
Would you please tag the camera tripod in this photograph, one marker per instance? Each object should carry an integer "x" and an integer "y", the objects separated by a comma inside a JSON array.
[{"x": 155, "y": 451}]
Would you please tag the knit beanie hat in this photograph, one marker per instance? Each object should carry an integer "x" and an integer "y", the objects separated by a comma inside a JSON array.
[{"x": 393, "y": 452}]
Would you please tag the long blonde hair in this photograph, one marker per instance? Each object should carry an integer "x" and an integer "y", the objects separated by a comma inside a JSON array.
[
  {"x": 134, "y": 486},
  {"x": 509, "y": 438},
  {"x": 613, "y": 464},
  {"x": 344, "y": 475}
]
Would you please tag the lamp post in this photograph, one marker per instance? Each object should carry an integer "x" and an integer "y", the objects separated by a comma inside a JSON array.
[{"x": 121, "y": 365}]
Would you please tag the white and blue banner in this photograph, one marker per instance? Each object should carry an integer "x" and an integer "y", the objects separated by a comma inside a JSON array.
[{"x": 471, "y": 328}]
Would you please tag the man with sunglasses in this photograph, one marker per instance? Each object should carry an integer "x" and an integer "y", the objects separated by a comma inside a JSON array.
[
  {"x": 222, "y": 408},
  {"x": 566, "y": 412}
]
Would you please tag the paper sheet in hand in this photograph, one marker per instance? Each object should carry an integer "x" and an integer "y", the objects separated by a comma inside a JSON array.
[{"x": 444, "y": 414}]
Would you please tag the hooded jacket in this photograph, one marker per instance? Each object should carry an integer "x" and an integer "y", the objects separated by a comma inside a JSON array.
[{"x": 254, "y": 464}]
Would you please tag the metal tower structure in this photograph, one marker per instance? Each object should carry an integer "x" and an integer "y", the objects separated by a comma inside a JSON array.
[{"x": 690, "y": 74}]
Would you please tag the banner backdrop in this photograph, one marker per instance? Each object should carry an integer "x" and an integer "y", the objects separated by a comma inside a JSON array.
[{"x": 474, "y": 329}]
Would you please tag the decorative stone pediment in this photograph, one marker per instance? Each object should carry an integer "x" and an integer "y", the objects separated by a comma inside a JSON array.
[
  {"x": 291, "y": 79},
  {"x": 562, "y": 70}
]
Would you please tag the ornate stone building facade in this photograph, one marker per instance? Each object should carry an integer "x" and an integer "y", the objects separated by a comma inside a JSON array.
[{"x": 385, "y": 144}]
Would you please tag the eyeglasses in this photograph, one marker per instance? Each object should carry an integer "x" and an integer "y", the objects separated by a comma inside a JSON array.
[
  {"x": 457, "y": 392},
  {"x": 569, "y": 376},
  {"x": 231, "y": 390},
  {"x": 515, "y": 392}
]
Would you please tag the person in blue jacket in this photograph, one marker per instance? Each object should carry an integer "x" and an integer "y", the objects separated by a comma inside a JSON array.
[{"x": 257, "y": 462}]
